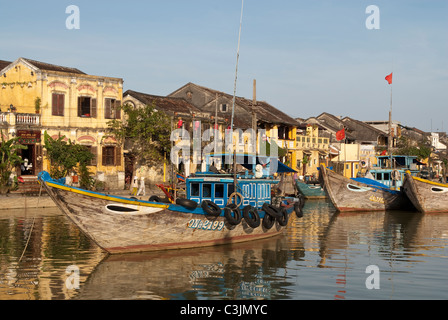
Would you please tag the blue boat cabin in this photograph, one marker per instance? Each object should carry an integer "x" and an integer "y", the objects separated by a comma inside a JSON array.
[{"x": 218, "y": 187}]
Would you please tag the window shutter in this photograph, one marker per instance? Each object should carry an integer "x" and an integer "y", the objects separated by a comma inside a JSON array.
[
  {"x": 107, "y": 107},
  {"x": 93, "y": 108},
  {"x": 54, "y": 104},
  {"x": 117, "y": 156},
  {"x": 61, "y": 104},
  {"x": 104, "y": 156},
  {"x": 79, "y": 106},
  {"x": 94, "y": 151},
  {"x": 117, "y": 109}
]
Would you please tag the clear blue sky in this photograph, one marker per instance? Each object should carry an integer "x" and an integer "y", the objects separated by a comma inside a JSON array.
[{"x": 308, "y": 57}]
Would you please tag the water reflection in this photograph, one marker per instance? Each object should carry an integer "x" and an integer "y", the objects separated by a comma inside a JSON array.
[{"x": 324, "y": 255}]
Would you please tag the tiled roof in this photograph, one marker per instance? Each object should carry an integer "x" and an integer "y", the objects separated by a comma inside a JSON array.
[
  {"x": 264, "y": 111},
  {"x": 52, "y": 67},
  {"x": 4, "y": 64},
  {"x": 167, "y": 104}
]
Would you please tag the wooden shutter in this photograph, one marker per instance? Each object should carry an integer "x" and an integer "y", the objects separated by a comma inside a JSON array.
[
  {"x": 107, "y": 108},
  {"x": 93, "y": 103},
  {"x": 94, "y": 151},
  {"x": 104, "y": 156},
  {"x": 117, "y": 109},
  {"x": 117, "y": 156},
  {"x": 61, "y": 104},
  {"x": 79, "y": 106},
  {"x": 54, "y": 104}
]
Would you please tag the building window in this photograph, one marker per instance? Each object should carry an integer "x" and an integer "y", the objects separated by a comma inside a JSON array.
[
  {"x": 112, "y": 109},
  {"x": 57, "y": 106},
  {"x": 86, "y": 107},
  {"x": 94, "y": 151},
  {"x": 224, "y": 107},
  {"x": 111, "y": 156}
]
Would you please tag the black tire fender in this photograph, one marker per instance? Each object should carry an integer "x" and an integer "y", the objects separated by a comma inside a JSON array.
[
  {"x": 211, "y": 208},
  {"x": 154, "y": 199},
  {"x": 251, "y": 216},
  {"x": 271, "y": 210},
  {"x": 268, "y": 221},
  {"x": 283, "y": 221},
  {"x": 298, "y": 209},
  {"x": 186, "y": 203},
  {"x": 232, "y": 209}
]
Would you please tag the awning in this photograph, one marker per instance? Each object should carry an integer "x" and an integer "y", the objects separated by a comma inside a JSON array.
[{"x": 282, "y": 168}]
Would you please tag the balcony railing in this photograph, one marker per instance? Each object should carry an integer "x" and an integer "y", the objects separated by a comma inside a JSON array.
[{"x": 12, "y": 118}]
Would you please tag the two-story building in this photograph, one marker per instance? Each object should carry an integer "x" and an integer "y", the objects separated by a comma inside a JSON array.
[
  {"x": 312, "y": 149},
  {"x": 36, "y": 97}
]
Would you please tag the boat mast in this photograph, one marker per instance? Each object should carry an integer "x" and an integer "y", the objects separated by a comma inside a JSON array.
[
  {"x": 390, "y": 129},
  {"x": 233, "y": 103},
  {"x": 236, "y": 71}
]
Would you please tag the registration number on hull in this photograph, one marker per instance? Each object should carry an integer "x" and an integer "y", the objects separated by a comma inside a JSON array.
[
  {"x": 376, "y": 199},
  {"x": 206, "y": 225}
]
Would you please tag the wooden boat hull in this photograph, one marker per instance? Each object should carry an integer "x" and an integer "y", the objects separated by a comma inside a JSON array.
[
  {"x": 349, "y": 195},
  {"x": 427, "y": 196},
  {"x": 122, "y": 225},
  {"x": 311, "y": 191}
]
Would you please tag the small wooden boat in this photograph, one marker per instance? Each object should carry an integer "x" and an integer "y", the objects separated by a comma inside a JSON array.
[
  {"x": 311, "y": 190},
  {"x": 427, "y": 196},
  {"x": 213, "y": 213},
  {"x": 361, "y": 194}
]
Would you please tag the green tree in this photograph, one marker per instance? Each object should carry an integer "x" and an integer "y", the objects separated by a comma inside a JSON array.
[
  {"x": 66, "y": 157},
  {"x": 406, "y": 148},
  {"x": 9, "y": 159},
  {"x": 145, "y": 131}
]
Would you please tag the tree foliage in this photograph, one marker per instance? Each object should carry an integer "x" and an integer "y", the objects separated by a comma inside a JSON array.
[
  {"x": 66, "y": 157},
  {"x": 406, "y": 148},
  {"x": 145, "y": 131},
  {"x": 9, "y": 159}
]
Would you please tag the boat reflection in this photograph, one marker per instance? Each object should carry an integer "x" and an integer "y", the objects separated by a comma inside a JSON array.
[{"x": 238, "y": 271}]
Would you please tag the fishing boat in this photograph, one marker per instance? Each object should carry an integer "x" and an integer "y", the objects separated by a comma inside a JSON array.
[
  {"x": 310, "y": 190},
  {"x": 390, "y": 169},
  {"x": 361, "y": 194},
  {"x": 427, "y": 196},
  {"x": 219, "y": 208}
]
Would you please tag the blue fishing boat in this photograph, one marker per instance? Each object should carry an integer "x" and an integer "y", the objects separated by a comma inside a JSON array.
[
  {"x": 310, "y": 189},
  {"x": 219, "y": 208},
  {"x": 390, "y": 170}
]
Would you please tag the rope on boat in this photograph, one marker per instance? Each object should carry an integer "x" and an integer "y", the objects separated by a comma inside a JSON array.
[{"x": 31, "y": 230}]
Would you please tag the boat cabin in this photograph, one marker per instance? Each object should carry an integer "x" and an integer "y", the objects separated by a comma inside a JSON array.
[
  {"x": 393, "y": 176},
  {"x": 254, "y": 180}
]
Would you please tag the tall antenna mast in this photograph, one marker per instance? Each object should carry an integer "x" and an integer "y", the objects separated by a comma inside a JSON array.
[{"x": 236, "y": 71}]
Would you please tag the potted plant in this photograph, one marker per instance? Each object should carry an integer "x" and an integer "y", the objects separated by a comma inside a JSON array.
[{"x": 37, "y": 104}]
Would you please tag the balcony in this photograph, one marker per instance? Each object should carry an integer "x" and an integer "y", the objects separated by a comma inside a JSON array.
[{"x": 12, "y": 119}]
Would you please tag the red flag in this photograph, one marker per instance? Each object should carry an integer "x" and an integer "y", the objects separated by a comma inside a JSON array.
[
  {"x": 384, "y": 153},
  {"x": 340, "y": 135},
  {"x": 389, "y": 78}
]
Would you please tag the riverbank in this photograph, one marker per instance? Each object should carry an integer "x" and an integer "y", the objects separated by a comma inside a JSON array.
[{"x": 19, "y": 201}]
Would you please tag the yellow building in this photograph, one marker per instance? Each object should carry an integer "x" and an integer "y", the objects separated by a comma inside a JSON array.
[
  {"x": 37, "y": 97},
  {"x": 349, "y": 158},
  {"x": 312, "y": 150}
]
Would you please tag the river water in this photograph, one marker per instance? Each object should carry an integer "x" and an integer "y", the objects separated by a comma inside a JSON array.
[{"x": 323, "y": 256}]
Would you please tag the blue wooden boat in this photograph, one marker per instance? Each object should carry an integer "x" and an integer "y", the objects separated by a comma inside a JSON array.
[
  {"x": 391, "y": 170},
  {"x": 311, "y": 190},
  {"x": 219, "y": 208}
]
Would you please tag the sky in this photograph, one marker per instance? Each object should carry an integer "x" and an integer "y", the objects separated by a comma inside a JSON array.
[{"x": 308, "y": 57}]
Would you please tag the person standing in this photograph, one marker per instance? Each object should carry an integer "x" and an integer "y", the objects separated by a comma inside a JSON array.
[{"x": 142, "y": 188}]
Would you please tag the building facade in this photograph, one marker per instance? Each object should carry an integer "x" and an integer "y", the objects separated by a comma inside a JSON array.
[{"x": 37, "y": 97}]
